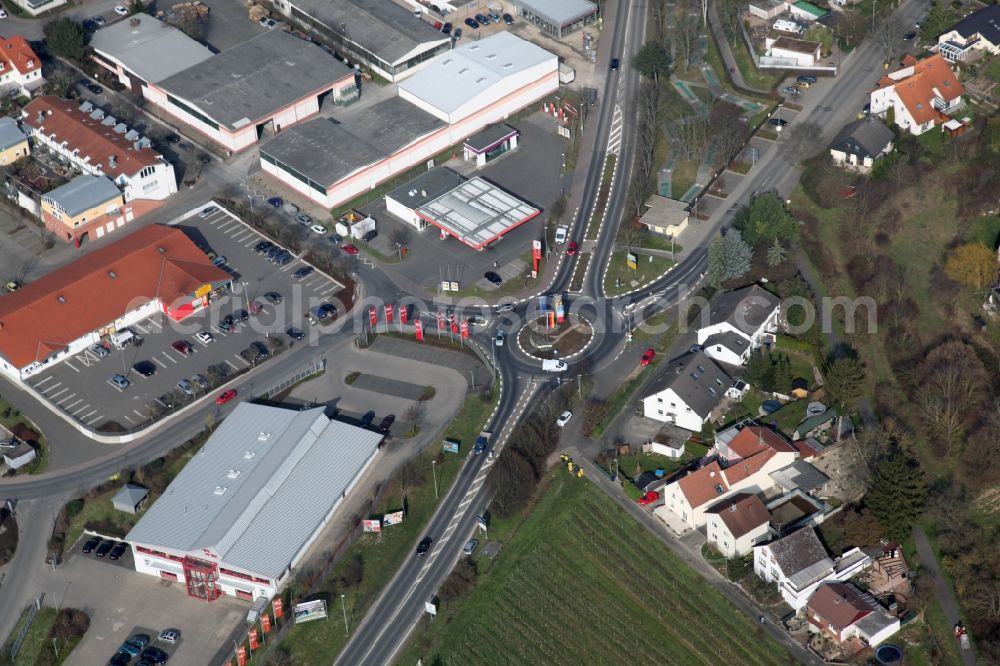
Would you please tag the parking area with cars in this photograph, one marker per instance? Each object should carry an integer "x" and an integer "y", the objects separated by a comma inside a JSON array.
[
  {"x": 159, "y": 364},
  {"x": 125, "y": 606}
]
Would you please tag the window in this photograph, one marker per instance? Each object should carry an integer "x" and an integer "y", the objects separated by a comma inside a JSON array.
[
  {"x": 168, "y": 575},
  {"x": 240, "y": 594},
  {"x": 192, "y": 112}
]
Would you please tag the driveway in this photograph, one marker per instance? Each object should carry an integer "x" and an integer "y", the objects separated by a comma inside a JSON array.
[{"x": 942, "y": 590}]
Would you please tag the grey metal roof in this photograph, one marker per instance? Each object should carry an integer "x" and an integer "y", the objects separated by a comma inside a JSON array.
[
  {"x": 129, "y": 495},
  {"x": 801, "y": 475},
  {"x": 746, "y": 309},
  {"x": 454, "y": 79},
  {"x": 477, "y": 212},
  {"x": 426, "y": 187},
  {"x": 865, "y": 138},
  {"x": 10, "y": 133},
  {"x": 696, "y": 379},
  {"x": 83, "y": 193},
  {"x": 326, "y": 151},
  {"x": 489, "y": 137},
  {"x": 154, "y": 50},
  {"x": 381, "y": 27},
  {"x": 254, "y": 79},
  {"x": 559, "y": 12},
  {"x": 731, "y": 340},
  {"x": 259, "y": 488}
]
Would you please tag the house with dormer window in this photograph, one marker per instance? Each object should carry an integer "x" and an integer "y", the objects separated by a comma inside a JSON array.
[{"x": 921, "y": 95}]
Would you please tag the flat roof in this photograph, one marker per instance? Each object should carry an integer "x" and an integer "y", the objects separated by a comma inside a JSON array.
[
  {"x": 796, "y": 45},
  {"x": 10, "y": 134},
  {"x": 477, "y": 212},
  {"x": 154, "y": 50},
  {"x": 45, "y": 316},
  {"x": 482, "y": 141},
  {"x": 259, "y": 489},
  {"x": 83, "y": 193},
  {"x": 257, "y": 78},
  {"x": 455, "y": 78},
  {"x": 326, "y": 151},
  {"x": 664, "y": 211},
  {"x": 810, "y": 8},
  {"x": 559, "y": 12},
  {"x": 381, "y": 27},
  {"x": 426, "y": 187}
]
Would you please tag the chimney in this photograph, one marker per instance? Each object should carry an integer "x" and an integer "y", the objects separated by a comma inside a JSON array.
[{"x": 112, "y": 162}]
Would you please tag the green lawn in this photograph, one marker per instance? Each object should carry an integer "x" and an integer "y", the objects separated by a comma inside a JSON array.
[
  {"x": 319, "y": 642},
  {"x": 993, "y": 70},
  {"x": 654, "y": 242},
  {"x": 650, "y": 462},
  {"x": 619, "y": 278},
  {"x": 788, "y": 416},
  {"x": 100, "y": 512},
  {"x": 985, "y": 229},
  {"x": 683, "y": 177},
  {"x": 37, "y": 649},
  {"x": 800, "y": 356},
  {"x": 581, "y": 583}
]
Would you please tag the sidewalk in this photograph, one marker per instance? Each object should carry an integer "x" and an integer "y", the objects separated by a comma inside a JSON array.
[{"x": 734, "y": 74}]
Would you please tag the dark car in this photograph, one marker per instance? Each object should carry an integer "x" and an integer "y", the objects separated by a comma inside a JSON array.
[
  {"x": 302, "y": 272},
  {"x": 120, "y": 659},
  {"x": 118, "y": 550},
  {"x": 104, "y": 548},
  {"x": 262, "y": 350},
  {"x": 807, "y": 78},
  {"x": 263, "y": 246},
  {"x": 295, "y": 333},
  {"x": 508, "y": 19},
  {"x": 229, "y": 319},
  {"x": 91, "y": 545},
  {"x": 424, "y": 546},
  {"x": 154, "y": 655},
  {"x": 284, "y": 258},
  {"x": 482, "y": 19},
  {"x": 94, "y": 88},
  {"x": 336, "y": 239},
  {"x": 471, "y": 23},
  {"x": 370, "y": 236},
  {"x": 778, "y": 122},
  {"x": 273, "y": 297},
  {"x": 386, "y": 423},
  {"x": 145, "y": 368},
  {"x": 456, "y": 34},
  {"x": 615, "y": 64},
  {"x": 226, "y": 326},
  {"x": 329, "y": 308},
  {"x": 367, "y": 419},
  {"x": 277, "y": 202},
  {"x": 241, "y": 315},
  {"x": 909, "y": 36},
  {"x": 493, "y": 277},
  {"x": 272, "y": 251},
  {"x": 182, "y": 347},
  {"x": 446, "y": 29},
  {"x": 172, "y": 138}
]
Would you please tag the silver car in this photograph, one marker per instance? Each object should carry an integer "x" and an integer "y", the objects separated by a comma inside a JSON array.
[
  {"x": 185, "y": 387},
  {"x": 99, "y": 351},
  {"x": 201, "y": 381},
  {"x": 119, "y": 382}
]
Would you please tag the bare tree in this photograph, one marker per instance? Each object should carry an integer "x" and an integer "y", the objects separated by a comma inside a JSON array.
[
  {"x": 726, "y": 131},
  {"x": 729, "y": 16},
  {"x": 888, "y": 35},
  {"x": 802, "y": 141},
  {"x": 660, "y": 10},
  {"x": 685, "y": 37},
  {"x": 954, "y": 388},
  {"x": 399, "y": 235},
  {"x": 60, "y": 81},
  {"x": 414, "y": 415},
  {"x": 23, "y": 269},
  {"x": 851, "y": 27}
]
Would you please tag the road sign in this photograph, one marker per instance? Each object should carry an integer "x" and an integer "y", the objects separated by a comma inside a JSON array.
[
  {"x": 309, "y": 611},
  {"x": 279, "y": 608},
  {"x": 465, "y": 329},
  {"x": 632, "y": 261},
  {"x": 430, "y": 607},
  {"x": 418, "y": 328},
  {"x": 388, "y": 312},
  {"x": 450, "y": 446},
  {"x": 394, "y": 518},
  {"x": 372, "y": 525},
  {"x": 372, "y": 316}
]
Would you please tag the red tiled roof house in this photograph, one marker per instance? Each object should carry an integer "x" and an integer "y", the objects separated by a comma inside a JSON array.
[
  {"x": 922, "y": 94},
  {"x": 20, "y": 68}
]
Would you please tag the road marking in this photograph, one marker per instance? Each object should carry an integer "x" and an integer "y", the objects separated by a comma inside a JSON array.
[
  {"x": 139, "y": 414},
  {"x": 65, "y": 398},
  {"x": 80, "y": 411},
  {"x": 225, "y": 225},
  {"x": 43, "y": 380},
  {"x": 72, "y": 404},
  {"x": 154, "y": 323},
  {"x": 253, "y": 241},
  {"x": 231, "y": 364},
  {"x": 58, "y": 393},
  {"x": 170, "y": 358},
  {"x": 161, "y": 363},
  {"x": 73, "y": 367},
  {"x": 128, "y": 418},
  {"x": 91, "y": 421}
]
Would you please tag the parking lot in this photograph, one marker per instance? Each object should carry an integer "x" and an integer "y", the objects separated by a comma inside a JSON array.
[
  {"x": 531, "y": 173},
  {"x": 80, "y": 385},
  {"x": 121, "y": 603}
]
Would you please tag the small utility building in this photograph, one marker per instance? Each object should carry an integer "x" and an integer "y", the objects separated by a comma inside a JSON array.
[
  {"x": 557, "y": 17},
  {"x": 130, "y": 498},
  {"x": 491, "y": 143}
]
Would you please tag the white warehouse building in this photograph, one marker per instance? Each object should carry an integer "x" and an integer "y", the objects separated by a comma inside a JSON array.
[{"x": 242, "y": 514}]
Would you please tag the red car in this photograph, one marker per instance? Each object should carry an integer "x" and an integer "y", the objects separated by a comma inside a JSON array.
[
  {"x": 226, "y": 397},
  {"x": 349, "y": 249},
  {"x": 649, "y": 498},
  {"x": 571, "y": 248},
  {"x": 647, "y": 356}
]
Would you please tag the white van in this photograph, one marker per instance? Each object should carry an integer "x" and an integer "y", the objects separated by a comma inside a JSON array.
[
  {"x": 554, "y": 365},
  {"x": 121, "y": 339}
]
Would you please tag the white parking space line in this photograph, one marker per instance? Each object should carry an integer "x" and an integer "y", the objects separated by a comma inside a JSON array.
[
  {"x": 153, "y": 322},
  {"x": 72, "y": 367},
  {"x": 65, "y": 399},
  {"x": 83, "y": 409},
  {"x": 43, "y": 380},
  {"x": 161, "y": 363},
  {"x": 240, "y": 236},
  {"x": 203, "y": 344},
  {"x": 238, "y": 358},
  {"x": 138, "y": 413},
  {"x": 140, "y": 329},
  {"x": 226, "y": 225},
  {"x": 169, "y": 358},
  {"x": 58, "y": 393},
  {"x": 231, "y": 365},
  {"x": 127, "y": 418},
  {"x": 91, "y": 421},
  {"x": 328, "y": 290},
  {"x": 253, "y": 241}
]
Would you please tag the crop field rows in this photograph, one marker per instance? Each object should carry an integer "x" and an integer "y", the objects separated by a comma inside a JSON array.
[{"x": 585, "y": 584}]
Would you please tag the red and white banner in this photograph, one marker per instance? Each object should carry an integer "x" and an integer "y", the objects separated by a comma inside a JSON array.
[
  {"x": 253, "y": 639},
  {"x": 454, "y": 327},
  {"x": 372, "y": 317},
  {"x": 418, "y": 327},
  {"x": 440, "y": 320},
  {"x": 278, "y": 608},
  {"x": 372, "y": 525},
  {"x": 265, "y": 623},
  {"x": 241, "y": 656},
  {"x": 388, "y": 312},
  {"x": 465, "y": 329},
  {"x": 404, "y": 313}
]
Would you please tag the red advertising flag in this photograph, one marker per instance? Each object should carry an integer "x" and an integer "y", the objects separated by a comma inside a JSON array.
[
  {"x": 465, "y": 329},
  {"x": 388, "y": 311},
  {"x": 278, "y": 608},
  {"x": 253, "y": 639},
  {"x": 440, "y": 320},
  {"x": 404, "y": 313},
  {"x": 241, "y": 656},
  {"x": 265, "y": 623},
  {"x": 372, "y": 319},
  {"x": 454, "y": 327},
  {"x": 419, "y": 328}
]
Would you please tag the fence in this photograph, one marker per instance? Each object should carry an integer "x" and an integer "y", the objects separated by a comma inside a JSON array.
[
  {"x": 32, "y": 612},
  {"x": 316, "y": 365}
]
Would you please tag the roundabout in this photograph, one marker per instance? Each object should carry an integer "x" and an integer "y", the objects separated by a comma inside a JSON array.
[{"x": 544, "y": 339}]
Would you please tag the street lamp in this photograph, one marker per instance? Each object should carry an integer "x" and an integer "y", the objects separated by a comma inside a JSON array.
[
  {"x": 562, "y": 177},
  {"x": 434, "y": 473},
  {"x": 343, "y": 607}
]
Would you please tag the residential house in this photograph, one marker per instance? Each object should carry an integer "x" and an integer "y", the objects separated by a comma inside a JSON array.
[
  {"x": 860, "y": 143},
  {"x": 738, "y": 322},
  {"x": 737, "y": 523},
  {"x": 921, "y": 94},
  {"x": 849, "y": 616},
  {"x": 74, "y": 209},
  {"x": 130, "y": 498},
  {"x": 687, "y": 392},
  {"x": 13, "y": 142},
  {"x": 17, "y": 454},
  {"x": 815, "y": 425},
  {"x": 793, "y": 52},
  {"x": 100, "y": 145},
  {"x": 20, "y": 68},
  {"x": 798, "y": 563},
  {"x": 665, "y": 216},
  {"x": 979, "y": 31}
]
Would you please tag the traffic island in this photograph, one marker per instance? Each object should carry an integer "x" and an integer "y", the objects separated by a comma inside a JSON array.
[
  {"x": 8, "y": 536},
  {"x": 561, "y": 340}
]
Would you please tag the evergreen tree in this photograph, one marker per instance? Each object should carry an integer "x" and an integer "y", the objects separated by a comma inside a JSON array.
[
  {"x": 782, "y": 373},
  {"x": 756, "y": 368},
  {"x": 729, "y": 257},
  {"x": 765, "y": 220},
  {"x": 776, "y": 254},
  {"x": 845, "y": 380},
  {"x": 897, "y": 492}
]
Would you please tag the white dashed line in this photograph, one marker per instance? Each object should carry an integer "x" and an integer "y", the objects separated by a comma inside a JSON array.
[
  {"x": 138, "y": 413},
  {"x": 128, "y": 418}
]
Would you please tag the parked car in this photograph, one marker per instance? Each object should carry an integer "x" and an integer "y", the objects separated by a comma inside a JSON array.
[
  {"x": 205, "y": 212},
  {"x": 295, "y": 333},
  {"x": 120, "y": 659},
  {"x": 182, "y": 347},
  {"x": 561, "y": 233},
  {"x": 456, "y": 34},
  {"x": 91, "y": 544},
  {"x": 121, "y": 10},
  {"x": 302, "y": 272},
  {"x": 508, "y": 19},
  {"x": 336, "y": 239},
  {"x": 154, "y": 654},
  {"x": 495, "y": 17},
  {"x": 504, "y": 307},
  {"x": 807, "y": 78},
  {"x": 909, "y": 36},
  {"x": 778, "y": 122},
  {"x": 119, "y": 382},
  {"x": 240, "y": 315},
  {"x": 471, "y": 23},
  {"x": 564, "y": 418},
  {"x": 304, "y": 219},
  {"x": 572, "y": 248},
  {"x": 219, "y": 262},
  {"x": 470, "y": 546},
  {"x": 446, "y": 28},
  {"x": 104, "y": 548},
  {"x": 261, "y": 349},
  {"x": 225, "y": 397},
  {"x": 482, "y": 19},
  {"x": 99, "y": 20},
  {"x": 647, "y": 356},
  {"x": 94, "y": 88},
  {"x": 263, "y": 246},
  {"x": 367, "y": 419},
  {"x": 277, "y": 202},
  {"x": 169, "y": 636},
  {"x": 204, "y": 336},
  {"x": 424, "y": 546},
  {"x": 118, "y": 550},
  {"x": 649, "y": 498},
  {"x": 493, "y": 277},
  {"x": 791, "y": 90},
  {"x": 273, "y": 297},
  {"x": 100, "y": 351},
  {"x": 329, "y": 308},
  {"x": 226, "y": 326},
  {"x": 386, "y": 424},
  {"x": 145, "y": 368},
  {"x": 185, "y": 387},
  {"x": 350, "y": 249},
  {"x": 318, "y": 229},
  {"x": 267, "y": 22},
  {"x": 201, "y": 382}
]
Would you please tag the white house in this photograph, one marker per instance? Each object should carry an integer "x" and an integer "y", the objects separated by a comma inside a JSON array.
[
  {"x": 737, "y": 323},
  {"x": 687, "y": 392},
  {"x": 737, "y": 523},
  {"x": 843, "y": 612},
  {"x": 860, "y": 143},
  {"x": 798, "y": 564},
  {"x": 979, "y": 30},
  {"x": 796, "y": 52},
  {"x": 20, "y": 68},
  {"x": 922, "y": 94}
]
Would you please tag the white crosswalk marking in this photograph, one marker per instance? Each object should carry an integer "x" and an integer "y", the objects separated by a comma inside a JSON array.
[{"x": 615, "y": 136}]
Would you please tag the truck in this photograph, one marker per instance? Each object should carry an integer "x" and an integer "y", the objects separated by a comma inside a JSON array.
[
  {"x": 482, "y": 442},
  {"x": 962, "y": 636},
  {"x": 554, "y": 365}
]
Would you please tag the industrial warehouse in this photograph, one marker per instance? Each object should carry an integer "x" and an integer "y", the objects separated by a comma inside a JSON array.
[{"x": 242, "y": 514}]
